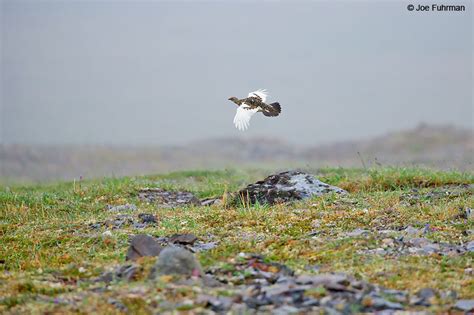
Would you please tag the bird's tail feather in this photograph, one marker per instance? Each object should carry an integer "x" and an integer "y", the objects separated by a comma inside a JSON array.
[
  {"x": 276, "y": 106},
  {"x": 272, "y": 110}
]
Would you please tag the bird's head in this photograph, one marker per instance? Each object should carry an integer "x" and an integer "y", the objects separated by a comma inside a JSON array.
[{"x": 233, "y": 99}]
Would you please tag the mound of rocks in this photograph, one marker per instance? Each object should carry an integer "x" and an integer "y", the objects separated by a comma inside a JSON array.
[{"x": 285, "y": 187}]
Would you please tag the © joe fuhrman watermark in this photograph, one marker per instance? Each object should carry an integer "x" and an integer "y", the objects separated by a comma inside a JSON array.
[{"x": 436, "y": 8}]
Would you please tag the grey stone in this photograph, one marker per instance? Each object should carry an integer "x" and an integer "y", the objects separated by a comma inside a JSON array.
[
  {"x": 465, "y": 305},
  {"x": 423, "y": 297},
  {"x": 168, "y": 199},
  {"x": 143, "y": 245},
  {"x": 426, "y": 293},
  {"x": 147, "y": 218},
  {"x": 126, "y": 207},
  {"x": 470, "y": 246},
  {"x": 410, "y": 230},
  {"x": 284, "y": 187},
  {"x": 380, "y": 303},
  {"x": 119, "y": 305},
  {"x": 211, "y": 201},
  {"x": 176, "y": 260},
  {"x": 127, "y": 272},
  {"x": 119, "y": 221},
  {"x": 285, "y": 309},
  {"x": 183, "y": 239},
  {"x": 217, "y": 304},
  {"x": 209, "y": 281},
  {"x": 358, "y": 232},
  {"x": 329, "y": 281}
]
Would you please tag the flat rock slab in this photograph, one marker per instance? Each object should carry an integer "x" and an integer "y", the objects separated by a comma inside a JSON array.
[
  {"x": 169, "y": 199},
  {"x": 143, "y": 245},
  {"x": 465, "y": 305},
  {"x": 285, "y": 187},
  {"x": 183, "y": 239},
  {"x": 172, "y": 199}
]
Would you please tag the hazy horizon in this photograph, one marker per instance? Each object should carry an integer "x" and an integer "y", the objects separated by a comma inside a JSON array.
[{"x": 153, "y": 73}]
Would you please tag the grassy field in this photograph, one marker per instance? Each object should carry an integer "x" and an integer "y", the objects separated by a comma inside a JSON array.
[{"x": 48, "y": 249}]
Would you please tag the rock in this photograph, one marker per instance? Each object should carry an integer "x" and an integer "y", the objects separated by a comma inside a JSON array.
[
  {"x": 465, "y": 305},
  {"x": 200, "y": 246},
  {"x": 126, "y": 207},
  {"x": 381, "y": 304},
  {"x": 430, "y": 248},
  {"x": 143, "y": 245},
  {"x": 119, "y": 221},
  {"x": 211, "y": 201},
  {"x": 188, "y": 241},
  {"x": 217, "y": 304},
  {"x": 176, "y": 260},
  {"x": 389, "y": 242},
  {"x": 470, "y": 246},
  {"x": 127, "y": 272},
  {"x": 423, "y": 297},
  {"x": 285, "y": 309},
  {"x": 147, "y": 218},
  {"x": 183, "y": 239},
  {"x": 396, "y": 295},
  {"x": 119, "y": 305},
  {"x": 285, "y": 187},
  {"x": 411, "y": 231},
  {"x": 329, "y": 281},
  {"x": 168, "y": 199},
  {"x": 209, "y": 281},
  {"x": 358, "y": 232},
  {"x": 426, "y": 293}
]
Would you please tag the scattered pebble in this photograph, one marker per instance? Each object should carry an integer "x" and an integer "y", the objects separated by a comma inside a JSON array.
[
  {"x": 168, "y": 199},
  {"x": 120, "y": 208},
  {"x": 147, "y": 218},
  {"x": 358, "y": 232}
]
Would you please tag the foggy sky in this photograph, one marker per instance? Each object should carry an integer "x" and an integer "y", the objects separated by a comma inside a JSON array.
[{"x": 153, "y": 72}]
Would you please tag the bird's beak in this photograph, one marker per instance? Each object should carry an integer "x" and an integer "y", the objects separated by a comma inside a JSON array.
[{"x": 230, "y": 98}]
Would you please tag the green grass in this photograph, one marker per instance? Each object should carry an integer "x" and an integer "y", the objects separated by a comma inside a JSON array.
[{"x": 45, "y": 238}]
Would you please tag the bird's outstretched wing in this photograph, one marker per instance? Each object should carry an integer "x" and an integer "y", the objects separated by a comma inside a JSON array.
[
  {"x": 262, "y": 94},
  {"x": 243, "y": 115}
]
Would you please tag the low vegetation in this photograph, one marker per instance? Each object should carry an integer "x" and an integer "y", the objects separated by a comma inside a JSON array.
[{"x": 49, "y": 250}]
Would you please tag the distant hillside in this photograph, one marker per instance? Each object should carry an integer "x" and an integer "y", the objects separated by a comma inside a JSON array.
[{"x": 442, "y": 147}]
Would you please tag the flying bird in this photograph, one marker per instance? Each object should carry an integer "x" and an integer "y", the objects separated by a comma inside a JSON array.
[{"x": 253, "y": 103}]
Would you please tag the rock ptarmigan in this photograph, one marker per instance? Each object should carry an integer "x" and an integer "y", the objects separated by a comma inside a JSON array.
[{"x": 247, "y": 107}]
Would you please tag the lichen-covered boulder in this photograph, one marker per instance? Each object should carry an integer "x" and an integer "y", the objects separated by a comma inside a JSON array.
[
  {"x": 177, "y": 261},
  {"x": 285, "y": 187}
]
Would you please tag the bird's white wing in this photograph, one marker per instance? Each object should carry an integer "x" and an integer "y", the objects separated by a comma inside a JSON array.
[
  {"x": 243, "y": 115},
  {"x": 262, "y": 93}
]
